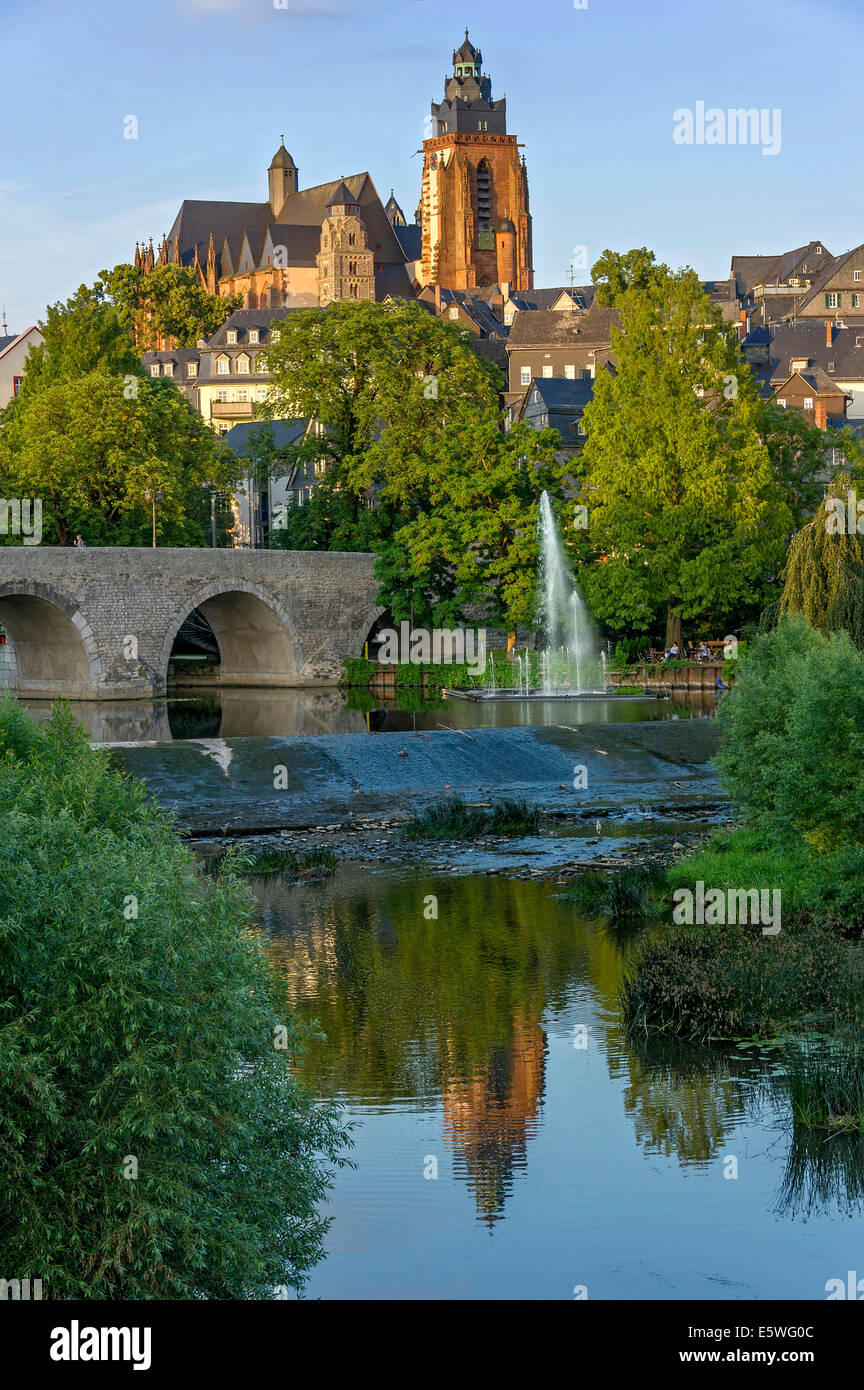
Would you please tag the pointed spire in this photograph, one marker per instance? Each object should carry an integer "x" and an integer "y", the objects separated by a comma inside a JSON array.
[{"x": 175, "y": 255}]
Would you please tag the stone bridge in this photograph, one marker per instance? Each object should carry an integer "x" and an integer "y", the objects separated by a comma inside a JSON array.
[{"x": 100, "y": 623}]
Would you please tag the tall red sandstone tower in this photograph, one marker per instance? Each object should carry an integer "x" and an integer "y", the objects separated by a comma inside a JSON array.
[{"x": 474, "y": 202}]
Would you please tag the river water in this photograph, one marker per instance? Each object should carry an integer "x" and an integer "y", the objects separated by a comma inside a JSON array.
[{"x": 510, "y": 1140}]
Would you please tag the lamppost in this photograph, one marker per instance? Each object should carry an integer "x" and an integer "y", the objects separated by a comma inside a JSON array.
[{"x": 153, "y": 498}]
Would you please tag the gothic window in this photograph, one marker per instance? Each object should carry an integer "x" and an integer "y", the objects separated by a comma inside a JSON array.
[
  {"x": 353, "y": 291},
  {"x": 351, "y": 238}
]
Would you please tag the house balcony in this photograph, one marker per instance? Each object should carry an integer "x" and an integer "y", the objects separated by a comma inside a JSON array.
[{"x": 232, "y": 410}]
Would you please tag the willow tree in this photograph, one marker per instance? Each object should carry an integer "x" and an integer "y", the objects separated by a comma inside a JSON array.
[
  {"x": 825, "y": 569},
  {"x": 686, "y": 518}
]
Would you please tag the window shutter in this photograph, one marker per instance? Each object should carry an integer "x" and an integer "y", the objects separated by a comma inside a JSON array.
[{"x": 827, "y": 305}]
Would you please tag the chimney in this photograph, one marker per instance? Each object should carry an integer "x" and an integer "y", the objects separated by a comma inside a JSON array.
[
  {"x": 437, "y": 299},
  {"x": 829, "y": 333}
]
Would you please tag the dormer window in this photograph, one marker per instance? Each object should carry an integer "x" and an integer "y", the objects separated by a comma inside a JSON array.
[
  {"x": 232, "y": 337},
  {"x": 168, "y": 369},
  {"x": 222, "y": 366},
  {"x": 154, "y": 370},
  {"x": 800, "y": 364},
  {"x": 243, "y": 364},
  {"x": 454, "y": 311},
  {"x": 818, "y": 250},
  {"x": 192, "y": 369},
  {"x": 253, "y": 335},
  {"x": 260, "y": 364},
  {"x": 275, "y": 335}
]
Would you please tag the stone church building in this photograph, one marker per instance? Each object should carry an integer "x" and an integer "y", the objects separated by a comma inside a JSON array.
[
  {"x": 300, "y": 249},
  {"x": 307, "y": 247}
]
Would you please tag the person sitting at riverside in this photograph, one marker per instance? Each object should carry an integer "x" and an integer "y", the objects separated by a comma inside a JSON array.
[
  {"x": 673, "y": 652},
  {"x": 703, "y": 652}
]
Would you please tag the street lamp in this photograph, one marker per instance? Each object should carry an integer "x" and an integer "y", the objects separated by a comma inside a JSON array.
[{"x": 153, "y": 498}]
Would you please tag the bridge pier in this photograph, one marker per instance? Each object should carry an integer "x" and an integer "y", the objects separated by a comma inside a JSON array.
[{"x": 100, "y": 623}]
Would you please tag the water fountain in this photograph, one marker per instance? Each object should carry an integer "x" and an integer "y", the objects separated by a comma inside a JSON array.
[{"x": 568, "y": 660}]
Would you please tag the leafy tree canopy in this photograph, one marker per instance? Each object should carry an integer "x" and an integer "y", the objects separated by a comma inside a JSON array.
[
  {"x": 685, "y": 514},
  {"x": 169, "y": 302},
  {"x": 91, "y": 447},
  {"x": 616, "y": 272},
  {"x": 411, "y": 424}
]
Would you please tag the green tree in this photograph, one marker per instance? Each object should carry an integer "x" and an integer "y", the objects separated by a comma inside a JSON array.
[
  {"x": 685, "y": 517},
  {"x": 154, "y": 1143},
  {"x": 92, "y": 446},
  {"x": 799, "y": 453},
  {"x": 411, "y": 424},
  {"x": 616, "y": 272},
  {"x": 82, "y": 335},
  {"x": 169, "y": 302},
  {"x": 824, "y": 578}
]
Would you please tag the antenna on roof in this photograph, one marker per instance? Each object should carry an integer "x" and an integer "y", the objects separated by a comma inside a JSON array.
[{"x": 5, "y": 329}]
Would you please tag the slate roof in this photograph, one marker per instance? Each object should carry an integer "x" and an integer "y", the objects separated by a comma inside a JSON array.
[
  {"x": 7, "y": 341},
  {"x": 818, "y": 286},
  {"x": 284, "y": 432},
  {"x": 298, "y": 230},
  {"x": 557, "y": 328},
  {"x": 807, "y": 339},
  {"x": 410, "y": 238},
  {"x": 748, "y": 271},
  {"x": 583, "y": 295},
  {"x": 478, "y": 310},
  {"x": 242, "y": 320}
]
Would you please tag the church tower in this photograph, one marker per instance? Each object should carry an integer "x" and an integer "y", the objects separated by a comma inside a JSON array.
[
  {"x": 281, "y": 179},
  {"x": 474, "y": 201},
  {"x": 346, "y": 268}
]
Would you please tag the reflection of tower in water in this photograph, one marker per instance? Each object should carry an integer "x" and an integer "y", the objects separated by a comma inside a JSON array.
[{"x": 490, "y": 1118}]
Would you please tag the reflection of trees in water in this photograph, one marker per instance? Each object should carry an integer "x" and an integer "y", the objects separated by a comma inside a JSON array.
[
  {"x": 824, "y": 1173},
  {"x": 684, "y": 1098}
]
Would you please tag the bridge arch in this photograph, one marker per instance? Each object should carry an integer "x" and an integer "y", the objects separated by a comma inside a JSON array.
[
  {"x": 51, "y": 640},
  {"x": 258, "y": 643}
]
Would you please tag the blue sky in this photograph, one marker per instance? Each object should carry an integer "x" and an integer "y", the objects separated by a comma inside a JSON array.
[{"x": 591, "y": 93}]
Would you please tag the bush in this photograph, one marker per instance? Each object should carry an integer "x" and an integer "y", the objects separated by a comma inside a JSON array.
[
  {"x": 359, "y": 671},
  {"x": 794, "y": 736},
  {"x": 727, "y": 982},
  {"x": 154, "y": 1143}
]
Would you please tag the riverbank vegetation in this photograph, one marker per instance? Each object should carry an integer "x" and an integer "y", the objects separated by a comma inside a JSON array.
[
  {"x": 154, "y": 1143},
  {"x": 791, "y": 759},
  {"x": 455, "y": 819}
]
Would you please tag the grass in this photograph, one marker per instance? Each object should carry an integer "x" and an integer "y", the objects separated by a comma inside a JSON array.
[
  {"x": 281, "y": 863},
  {"x": 627, "y": 896},
  {"x": 454, "y": 819},
  {"x": 825, "y": 1077}
]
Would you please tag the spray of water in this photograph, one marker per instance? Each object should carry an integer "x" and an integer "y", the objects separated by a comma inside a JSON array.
[{"x": 570, "y": 650}]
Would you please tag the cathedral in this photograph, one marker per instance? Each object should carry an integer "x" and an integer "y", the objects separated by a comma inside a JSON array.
[
  {"x": 300, "y": 249},
  {"x": 303, "y": 248}
]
